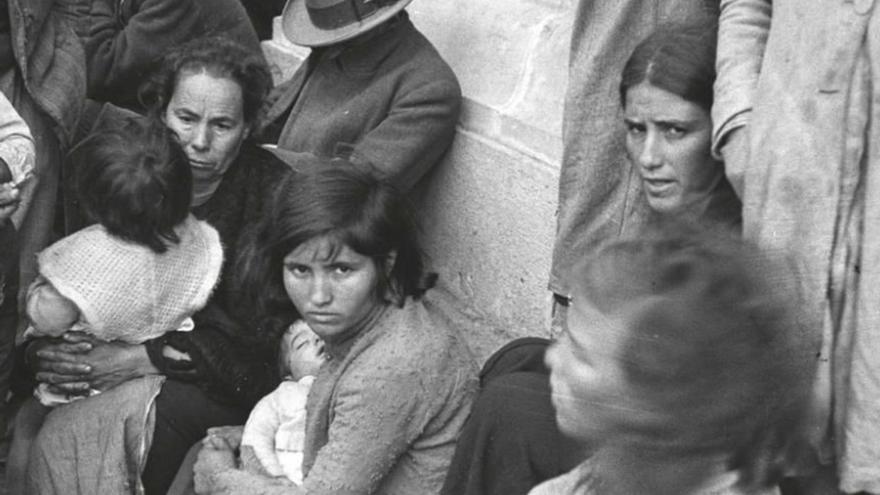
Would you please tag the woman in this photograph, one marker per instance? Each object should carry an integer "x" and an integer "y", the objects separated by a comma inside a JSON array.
[
  {"x": 682, "y": 366},
  {"x": 383, "y": 414},
  {"x": 512, "y": 443},
  {"x": 209, "y": 92}
]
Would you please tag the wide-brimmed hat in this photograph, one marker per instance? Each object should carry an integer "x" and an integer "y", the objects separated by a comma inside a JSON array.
[{"x": 326, "y": 22}]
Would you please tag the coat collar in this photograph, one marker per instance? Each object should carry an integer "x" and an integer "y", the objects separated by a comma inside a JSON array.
[{"x": 364, "y": 55}]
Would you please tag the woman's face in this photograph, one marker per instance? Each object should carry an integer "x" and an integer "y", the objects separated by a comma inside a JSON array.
[
  {"x": 333, "y": 294},
  {"x": 207, "y": 114},
  {"x": 669, "y": 140},
  {"x": 590, "y": 393}
]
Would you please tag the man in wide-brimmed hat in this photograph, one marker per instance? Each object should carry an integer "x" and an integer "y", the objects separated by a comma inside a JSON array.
[{"x": 373, "y": 90}]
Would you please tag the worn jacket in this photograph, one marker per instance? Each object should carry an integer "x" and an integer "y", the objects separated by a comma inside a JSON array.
[
  {"x": 124, "y": 38},
  {"x": 597, "y": 184},
  {"x": 785, "y": 76},
  {"x": 50, "y": 60},
  {"x": 390, "y": 102}
]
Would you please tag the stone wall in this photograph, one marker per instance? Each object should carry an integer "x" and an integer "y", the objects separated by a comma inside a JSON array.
[{"x": 489, "y": 209}]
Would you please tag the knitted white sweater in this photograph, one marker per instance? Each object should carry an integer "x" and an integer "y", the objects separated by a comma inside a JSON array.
[{"x": 125, "y": 291}]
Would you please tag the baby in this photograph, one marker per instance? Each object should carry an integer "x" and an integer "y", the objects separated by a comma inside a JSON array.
[{"x": 273, "y": 437}]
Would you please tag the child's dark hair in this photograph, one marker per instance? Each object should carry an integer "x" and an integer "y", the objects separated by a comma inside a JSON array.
[
  {"x": 135, "y": 180},
  {"x": 351, "y": 207}
]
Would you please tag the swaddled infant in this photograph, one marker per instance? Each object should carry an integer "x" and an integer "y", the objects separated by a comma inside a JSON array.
[{"x": 273, "y": 436}]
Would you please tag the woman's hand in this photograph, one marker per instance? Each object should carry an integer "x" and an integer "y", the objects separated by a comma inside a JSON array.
[{"x": 79, "y": 362}]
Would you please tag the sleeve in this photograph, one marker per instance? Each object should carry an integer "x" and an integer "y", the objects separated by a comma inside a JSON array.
[
  {"x": 231, "y": 361},
  {"x": 16, "y": 142},
  {"x": 259, "y": 432},
  {"x": 119, "y": 50},
  {"x": 742, "y": 37},
  {"x": 50, "y": 313},
  {"x": 391, "y": 407},
  {"x": 417, "y": 131}
]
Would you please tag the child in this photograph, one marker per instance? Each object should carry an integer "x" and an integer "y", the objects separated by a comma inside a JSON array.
[
  {"x": 141, "y": 271},
  {"x": 272, "y": 442},
  {"x": 680, "y": 364}
]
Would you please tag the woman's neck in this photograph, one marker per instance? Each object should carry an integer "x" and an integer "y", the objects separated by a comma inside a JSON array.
[
  {"x": 338, "y": 347},
  {"x": 627, "y": 470}
]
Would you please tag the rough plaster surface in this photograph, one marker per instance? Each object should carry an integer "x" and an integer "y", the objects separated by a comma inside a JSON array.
[{"x": 488, "y": 211}]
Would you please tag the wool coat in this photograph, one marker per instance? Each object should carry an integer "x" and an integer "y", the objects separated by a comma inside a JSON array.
[
  {"x": 598, "y": 186},
  {"x": 800, "y": 78},
  {"x": 389, "y": 102},
  {"x": 123, "y": 38}
]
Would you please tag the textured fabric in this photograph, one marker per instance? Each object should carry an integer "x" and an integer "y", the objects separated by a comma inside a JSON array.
[
  {"x": 599, "y": 190},
  {"x": 95, "y": 445},
  {"x": 581, "y": 481},
  {"x": 276, "y": 429},
  {"x": 126, "y": 37},
  {"x": 391, "y": 103},
  {"x": 800, "y": 75},
  {"x": 125, "y": 291},
  {"x": 385, "y": 412}
]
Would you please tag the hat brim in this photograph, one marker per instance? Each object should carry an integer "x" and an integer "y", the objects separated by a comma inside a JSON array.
[{"x": 298, "y": 28}]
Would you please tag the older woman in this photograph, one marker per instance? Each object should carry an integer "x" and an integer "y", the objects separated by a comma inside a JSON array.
[
  {"x": 384, "y": 412},
  {"x": 373, "y": 90},
  {"x": 209, "y": 92},
  {"x": 512, "y": 443}
]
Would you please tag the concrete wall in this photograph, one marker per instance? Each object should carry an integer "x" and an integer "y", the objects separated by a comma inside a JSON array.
[{"x": 489, "y": 209}]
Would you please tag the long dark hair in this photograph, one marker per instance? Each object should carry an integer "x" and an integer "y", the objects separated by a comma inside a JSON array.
[
  {"x": 679, "y": 58},
  {"x": 349, "y": 206},
  {"x": 712, "y": 347}
]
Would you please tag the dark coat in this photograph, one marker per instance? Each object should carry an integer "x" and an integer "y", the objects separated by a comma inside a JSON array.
[
  {"x": 124, "y": 38},
  {"x": 390, "y": 101}
]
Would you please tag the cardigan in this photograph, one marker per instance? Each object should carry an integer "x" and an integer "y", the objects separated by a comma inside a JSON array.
[
  {"x": 598, "y": 186},
  {"x": 389, "y": 103},
  {"x": 125, "y": 37},
  {"x": 385, "y": 412}
]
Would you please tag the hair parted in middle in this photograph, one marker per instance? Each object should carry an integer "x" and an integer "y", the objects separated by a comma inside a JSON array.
[
  {"x": 679, "y": 58},
  {"x": 135, "y": 180},
  {"x": 217, "y": 56},
  {"x": 351, "y": 207}
]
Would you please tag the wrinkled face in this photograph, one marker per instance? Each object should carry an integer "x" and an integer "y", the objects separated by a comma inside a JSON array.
[
  {"x": 333, "y": 294},
  {"x": 590, "y": 395},
  {"x": 669, "y": 140},
  {"x": 207, "y": 114}
]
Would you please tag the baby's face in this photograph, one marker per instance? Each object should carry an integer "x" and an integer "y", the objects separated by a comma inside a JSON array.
[{"x": 305, "y": 350}]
